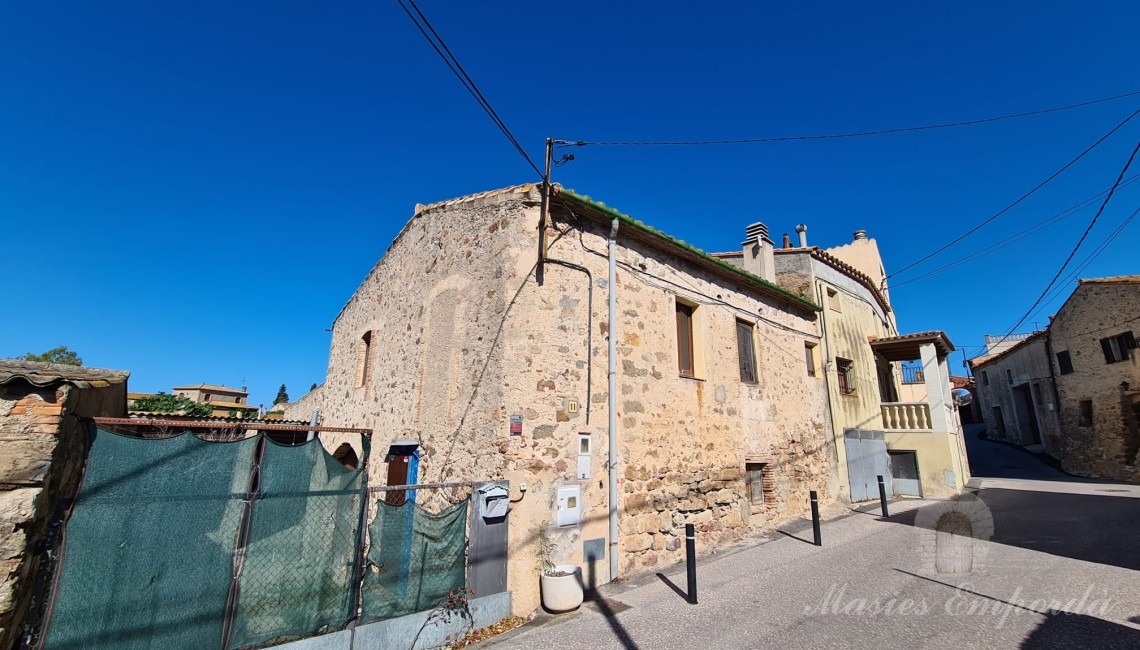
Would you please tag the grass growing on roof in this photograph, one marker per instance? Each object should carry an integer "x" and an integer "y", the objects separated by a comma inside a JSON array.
[{"x": 673, "y": 241}]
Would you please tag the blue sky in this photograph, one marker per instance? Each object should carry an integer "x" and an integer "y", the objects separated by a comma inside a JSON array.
[{"x": 191, "y": 192}]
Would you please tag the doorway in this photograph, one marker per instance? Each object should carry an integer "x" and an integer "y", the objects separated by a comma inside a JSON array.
[
  {"x": 1026, "y": 416},
  {"x": 904, "y": 473}
]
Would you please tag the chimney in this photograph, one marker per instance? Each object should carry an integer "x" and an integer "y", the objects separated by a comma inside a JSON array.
[
  {"x": 802, "y": 230},
  {"x": 758, "y": 256},
  {"x": 787, "y": 241},
  {"x": 860, "y": 234}
]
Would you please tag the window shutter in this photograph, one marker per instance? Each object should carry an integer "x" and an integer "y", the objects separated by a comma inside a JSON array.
[
  {"x": 685, "y": 339},
  {"x": 1106, "y": 345},
  {"x": 1129, "y": 342},
  {"x": 745, "y": 352}
]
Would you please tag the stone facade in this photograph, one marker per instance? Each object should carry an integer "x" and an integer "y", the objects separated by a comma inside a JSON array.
[
  {"x": 1018, "y": 402},
  {"x": 1106, "y": 444},
  {"x": 44, "y": 447},
  {"x": 452, "y": 340}
]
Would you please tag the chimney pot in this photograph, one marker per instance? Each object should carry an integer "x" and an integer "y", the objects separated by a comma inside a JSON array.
[
  {"x": 756, "y": 231},
  {"x": 860, "y": 234},
  {"x": 787, "y": 241},
  {"x": 802, "y": 230}
]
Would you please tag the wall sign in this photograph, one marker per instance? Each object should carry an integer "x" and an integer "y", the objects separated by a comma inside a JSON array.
[{"x": 516, "y": 425}]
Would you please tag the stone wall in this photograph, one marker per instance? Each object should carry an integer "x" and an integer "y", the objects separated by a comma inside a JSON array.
[
  {"x": 302, "y": 409},
  {"x": 1108, "y": 447},
  {"x": 470, "y": 342},
  {"x": 44, "y": 450}
]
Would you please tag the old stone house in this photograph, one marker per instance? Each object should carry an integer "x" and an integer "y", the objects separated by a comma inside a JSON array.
[
  {"x": 44, "y": 448},
  {"x": 1095, "y": 363},
  {"x": 226, "y": 401},
  {"x": 1073, "y": 389},
  {"x": 889, "y": 395},
  {"x": 459, "y": 343},
  {"x": 1018, "y": 396}
]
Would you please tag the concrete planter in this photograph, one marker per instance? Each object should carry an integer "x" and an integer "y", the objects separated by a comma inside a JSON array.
[{"x": 562, "y": 593}]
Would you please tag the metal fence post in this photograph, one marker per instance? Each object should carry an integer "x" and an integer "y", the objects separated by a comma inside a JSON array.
[
  {"x": 691, "y": 562},
  {"x": 815, "y": 518},
  {"x": 883, "y": 496}
]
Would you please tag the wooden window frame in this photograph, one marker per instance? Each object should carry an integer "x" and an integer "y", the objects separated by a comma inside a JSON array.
[
  {"x": 686, "y": 341},
  {"x": 746, "y": 351}
]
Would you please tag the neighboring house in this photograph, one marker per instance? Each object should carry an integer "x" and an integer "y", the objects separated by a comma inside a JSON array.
[
  {"x": 909, "y": 430},
  {"x": 1092, "y": 347},
  {"x": 1071, "y": 390},
  {"x": 44, "y": 448},
  {"x": 226, "y": 402},
  {"x": 459, "y": 345},
  {"x": 1016, "y": 391}
]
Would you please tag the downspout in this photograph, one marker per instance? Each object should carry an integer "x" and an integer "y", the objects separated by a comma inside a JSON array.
[
  {"x": 313, "y": 422},
  {"x": 839, "y": 436},
  {"x": 611, "y": 461}
]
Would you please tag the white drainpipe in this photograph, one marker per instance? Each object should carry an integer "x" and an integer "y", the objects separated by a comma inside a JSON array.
[{"x": 612, "y": 460}]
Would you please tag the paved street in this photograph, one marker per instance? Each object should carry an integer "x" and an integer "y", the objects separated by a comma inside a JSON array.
[{"x": 1057, "y": 543}]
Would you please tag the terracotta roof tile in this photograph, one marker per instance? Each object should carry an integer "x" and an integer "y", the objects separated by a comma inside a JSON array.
[{"x": 48, "y": 374}]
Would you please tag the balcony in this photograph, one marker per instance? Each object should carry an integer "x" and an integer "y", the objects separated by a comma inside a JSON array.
[{"x": 906, "y": 416}]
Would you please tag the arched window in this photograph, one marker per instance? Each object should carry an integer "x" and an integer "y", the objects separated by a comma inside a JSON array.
[{"x": 364, "y": 359}]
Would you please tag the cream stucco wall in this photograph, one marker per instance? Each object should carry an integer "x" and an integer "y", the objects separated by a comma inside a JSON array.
[
  {"x": 464, "y": 338},
  {"x": 936, "y": 452}
]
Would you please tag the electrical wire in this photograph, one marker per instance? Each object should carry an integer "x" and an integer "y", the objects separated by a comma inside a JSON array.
[
  {"x": 440, "y": 46},
  {"x": 1077, "y": 246},
  {"x": 836, "y": 136},
  {"x": 1020, "y": 199},
  {"x": 1072, "y": 275},
  {"x": 1038, "y": 227}
]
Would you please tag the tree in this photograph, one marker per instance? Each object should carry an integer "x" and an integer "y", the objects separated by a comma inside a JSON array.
[
  {"x": 282, "y": 396},
  {"x": 56, "y": 355},
  {"x": 313, "y": 387},
  {"x": 163, "y": 403}
]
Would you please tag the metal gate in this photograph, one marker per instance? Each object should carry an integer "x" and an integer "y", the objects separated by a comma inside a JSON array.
[{"x": 866, "y": 460}]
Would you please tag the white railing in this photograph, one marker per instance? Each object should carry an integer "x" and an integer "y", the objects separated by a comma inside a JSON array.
[{"x": 906, "y": 416}]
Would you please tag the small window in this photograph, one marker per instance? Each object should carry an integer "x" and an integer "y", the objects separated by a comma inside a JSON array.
[
  {"x": 685, "y": 339},
  {"x": 844, "y": 368},
  {"x": 364, "y": 360},
  {"x": 1086, "y": 413},
  {"x": 1009, "y": 375},
  {"x": 1065, "y": 362},
  {"x": 809, "y": 357},
  {"x": 746, "y": 352},
  {"x": 1116, "y": 347},
  {"x": 985, "y": 378},
  {"x": 833, "y": 300},
  {"x": 756, "y": 473},
  {"x": 206, "y": 397}
]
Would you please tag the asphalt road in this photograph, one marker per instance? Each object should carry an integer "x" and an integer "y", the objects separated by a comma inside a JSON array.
[{"x": 1051, "y": 563}]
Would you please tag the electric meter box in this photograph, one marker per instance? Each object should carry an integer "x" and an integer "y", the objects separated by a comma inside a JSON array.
[{"x": 569, "y": 506}]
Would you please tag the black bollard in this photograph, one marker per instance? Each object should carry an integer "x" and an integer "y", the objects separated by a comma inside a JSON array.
[
  {"x": 883, "y": 496},
  {"x": 815, "y": 519},
  {"x": 691, "y": 562}
]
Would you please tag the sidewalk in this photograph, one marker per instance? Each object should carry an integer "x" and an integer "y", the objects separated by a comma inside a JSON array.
[{"x": 869, "y": 586}]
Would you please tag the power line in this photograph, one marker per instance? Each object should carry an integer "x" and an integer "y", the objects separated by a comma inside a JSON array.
[
  {"x": 1037, "y": 227},
  {"x": 1057, "y": 290},
  {"x": 1021, "y": 198},
  {"x": 836, "y": 136},
  {"x": 440, "y": 46},
  {"x": 1080, "y": 241}
]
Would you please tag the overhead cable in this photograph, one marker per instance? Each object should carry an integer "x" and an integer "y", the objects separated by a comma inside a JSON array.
[
  {"x": 836, "y": 136},
  {"x": 440, "y": 46},
  {"x": 1077, "y": 246},
  {"x": 1020, "y": 199}
]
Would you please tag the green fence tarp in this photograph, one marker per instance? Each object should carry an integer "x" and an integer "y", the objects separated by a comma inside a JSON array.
[
  {"x": 149, "y": 547},
  {"x": 297, "y": 576},
  {"x": 415, "y": 559}
]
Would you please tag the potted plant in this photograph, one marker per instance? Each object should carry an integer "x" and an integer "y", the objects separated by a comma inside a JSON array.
[{"x": 560, "y": 584}]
